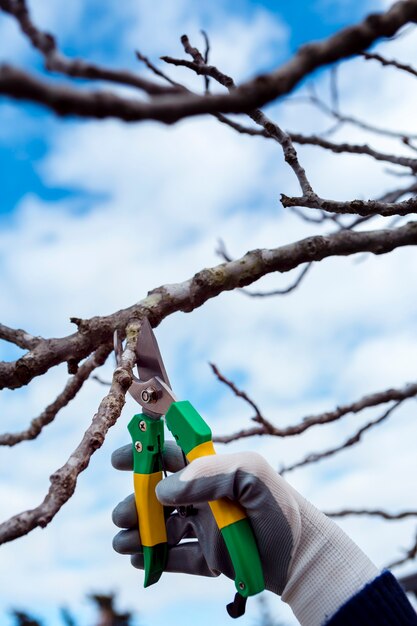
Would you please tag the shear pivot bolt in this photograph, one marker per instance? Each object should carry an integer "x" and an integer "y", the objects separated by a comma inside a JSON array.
[
  {"x": 149, "y": 395},
  {"x": 142, "y": 426},
  {"x": 241, "y": 585},
  {"x": 138, "y": 446}
]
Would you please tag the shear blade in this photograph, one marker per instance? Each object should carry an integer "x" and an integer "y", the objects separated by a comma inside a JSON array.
[{"x": 149, "y": 360}]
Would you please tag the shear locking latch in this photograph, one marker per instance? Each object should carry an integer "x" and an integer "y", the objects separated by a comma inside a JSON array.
[{"x": 237, "y": 608}]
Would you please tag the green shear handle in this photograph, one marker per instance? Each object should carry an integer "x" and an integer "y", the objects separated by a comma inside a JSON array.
[{"x": 194, "y": 437}]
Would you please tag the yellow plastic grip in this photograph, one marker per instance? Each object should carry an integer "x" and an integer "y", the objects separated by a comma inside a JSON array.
[
  {"x": 225, "y": 511},
  {"x": 150, "y": 511}
]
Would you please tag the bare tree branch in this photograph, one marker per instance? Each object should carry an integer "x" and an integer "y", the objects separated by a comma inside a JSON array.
[
  {"x": 252, "y": 94},
  {"x": 70, "y": 391},
  {"x": 354, "y": 439},
  {"x": 347, "y": 148},
  {"x": 63, "y": 481},
  {"x": 55, "y": 61},
  {"x": 309, "y": 198},
  {"x": 334, "y": 91},
  {"x": 342, "y": 119},
  {"x": 273, "y": 130},
  {"x": 352, "y": 207},
  {"x": 279, "y": 292},
  {"x": 389, "y": 196},
  {"x": 241, "y": 394},
  {"x": 144, "y": 59},
  {"x": 19, "y": 337},
  {"x": 368, "y": 56},
  {"x": 411, "y": 553},
  {"x": 371, "y": 400},
  {"x": 101, "y": 381},
  {"x": 371, "y": 512},
  {"x": 206, "y": 59},
  {"x": 192, "y": 293},
  {"x": 222, "y": 252},
  {"x": 337, "y": 148}
]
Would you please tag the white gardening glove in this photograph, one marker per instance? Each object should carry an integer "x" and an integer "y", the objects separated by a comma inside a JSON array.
[{"x": 306, "y": 557}]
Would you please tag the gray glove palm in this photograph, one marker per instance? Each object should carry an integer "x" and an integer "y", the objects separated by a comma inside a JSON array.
[{"x": 306, "y": 558}]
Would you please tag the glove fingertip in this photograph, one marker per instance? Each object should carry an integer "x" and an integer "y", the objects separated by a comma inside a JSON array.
[
  {"x": 137, "y": 560},
  {"x": 122, "y": 458},
  {"x": 168, "y": 491},
  {"x": 124, "y": 515}
]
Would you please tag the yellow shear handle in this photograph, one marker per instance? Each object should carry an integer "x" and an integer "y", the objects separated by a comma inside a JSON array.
[
  {"x": 225, "y": 511},
  {"x": 150, "y": 511}
]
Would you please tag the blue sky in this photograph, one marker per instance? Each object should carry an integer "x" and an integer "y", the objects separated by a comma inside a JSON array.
[
  {"x": 21, "y": 152},
  {"x": 81, "y": 200}
]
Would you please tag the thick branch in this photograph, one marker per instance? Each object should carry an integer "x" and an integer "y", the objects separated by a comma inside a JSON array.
[
  {"x": 222, "y": 252},
  {"x": 252, "y": 94},
  {"x": 76, "y": 68},
  {"x": 64, "y": 480},
  {"x": 70, "y": 391},
  {"x": 191, "y": 294}
]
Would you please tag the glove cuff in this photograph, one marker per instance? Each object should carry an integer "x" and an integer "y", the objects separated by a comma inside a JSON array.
[{"x": 328, "y": 568}]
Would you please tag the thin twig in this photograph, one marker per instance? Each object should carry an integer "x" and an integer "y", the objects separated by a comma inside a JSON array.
[
  {"x": 368, "y": 56},
  {"x": 368, "y": 401},
  {"x": 410, "y": 554},
  {"x": 98, "y": 379},
  {"x": 347, "y": 148},
  {"x": 334, "y": 91},
  {"x": 71, "y": 389},
  {"x": 342, "y": 119},
  {"x": 353, "y": 440},
  {"x": 206, "y": 59},
  {"x": 279, "y": 292},
  {"x": 238, "y": 392},
  {"x": 372, "y": 513}
]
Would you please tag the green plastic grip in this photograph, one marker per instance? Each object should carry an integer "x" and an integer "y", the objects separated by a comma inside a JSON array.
[
  {"x": 147, "y": 444},
  {"x": 194, "y": 436},
  {"x": 241, "y": 545}
]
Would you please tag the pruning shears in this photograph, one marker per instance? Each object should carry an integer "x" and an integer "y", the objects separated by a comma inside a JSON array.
[{"x": 152, "y": 391}]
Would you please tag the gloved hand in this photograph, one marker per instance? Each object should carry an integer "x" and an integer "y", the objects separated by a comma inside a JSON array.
[{"x": 306, "y": 557}]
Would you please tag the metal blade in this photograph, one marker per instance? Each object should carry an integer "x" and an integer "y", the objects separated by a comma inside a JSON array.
[{"x": 149, "y": 360}]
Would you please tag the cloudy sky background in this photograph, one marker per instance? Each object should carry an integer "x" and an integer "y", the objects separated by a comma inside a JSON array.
[{"x": 93, "y": 214}]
